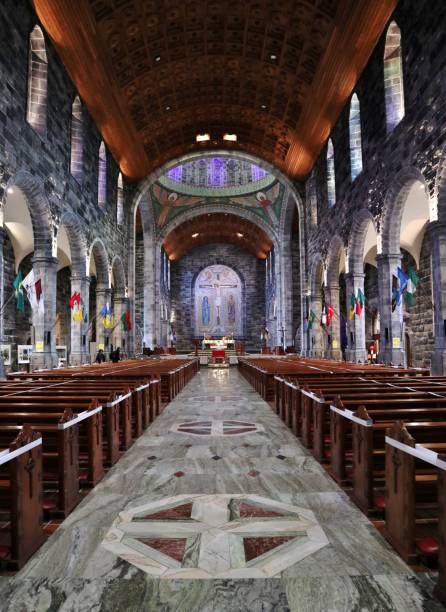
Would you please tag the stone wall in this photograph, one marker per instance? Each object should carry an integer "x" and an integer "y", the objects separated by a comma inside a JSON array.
[
  {"x": 183, "y": 273},
  {"x": 418, "y": 318}
]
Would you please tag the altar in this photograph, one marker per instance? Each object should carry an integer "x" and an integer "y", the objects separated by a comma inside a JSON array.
[{"x": 219, "y": 344}]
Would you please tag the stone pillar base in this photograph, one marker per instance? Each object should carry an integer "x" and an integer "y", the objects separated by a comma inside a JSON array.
[
  {"x": 356, "y": 355},
  {"x": 79, "y": 358},
  {"x": 44, "y": 360},
  {"x": 438, "y": 362},
  {"x": 395, "y": 356}
]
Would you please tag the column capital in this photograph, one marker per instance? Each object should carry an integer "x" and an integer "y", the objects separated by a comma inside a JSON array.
[
  {"x": 81, "y": 278},
  {"x": 100, "y": 289},
  {"x": 120, "y": 299},
  {"x": 351, "y": 276},
  {"x": 47, "y": 260},
  {"x": 384, "y": 258}
]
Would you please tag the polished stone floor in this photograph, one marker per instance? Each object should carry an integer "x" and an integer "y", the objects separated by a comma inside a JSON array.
[{"x": 217, "y": 507}]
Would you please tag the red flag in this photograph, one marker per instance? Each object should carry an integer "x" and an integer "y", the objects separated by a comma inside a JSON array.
[
  {"x": 129, "y": 320},
  {"x": 330, "y": 313},
  {"x": 75, "y": 299},
  {"x": 38, "y": 289}
]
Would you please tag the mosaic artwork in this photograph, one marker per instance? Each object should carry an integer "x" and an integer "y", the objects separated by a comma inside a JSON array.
[
  {"x": 218, "y": 302},
  {"x": 217, "y": 428},
  {"x": 215, "y": 536},
  {"x": 170, "y": 199}
]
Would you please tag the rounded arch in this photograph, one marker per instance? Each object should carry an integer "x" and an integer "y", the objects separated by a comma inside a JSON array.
[
  {"x": 99, "y": 254},
  {"x": 118, "y": 273},
  {"x": 394, "y": 205},
  {"x": 336, "y": 254},
  {"x": 77, "y": 242},
  {"x": 39, "y": 210},
  {"x": 219, "y": 208},
  {"x": 316, "y": 275},
  {"x": 439, "y": 196},
  {"x": 357, "y": 240}
]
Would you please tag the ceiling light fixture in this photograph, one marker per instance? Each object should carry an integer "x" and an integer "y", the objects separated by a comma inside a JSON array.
[
  {"x": 231, "y": 137},
  {"x": 202, "y": 137},
  {"x": 239, "y": 235},
  {"x": 273, "y": 56},
  {"x": 195, "y": 235},
  {"x": 10, "y": 190},
  {"x": 157, "y": 58},
  {"x": 168, "y": 108},
  {"x": 263, "y": 106}
]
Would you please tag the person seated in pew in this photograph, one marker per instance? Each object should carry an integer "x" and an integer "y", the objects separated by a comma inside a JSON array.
[{"x": 100, "y": 357}]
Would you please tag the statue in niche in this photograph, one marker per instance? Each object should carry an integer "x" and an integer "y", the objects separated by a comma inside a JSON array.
[
  {"x": 205, "y": 311},
  {"x": 231, "y": 309}
]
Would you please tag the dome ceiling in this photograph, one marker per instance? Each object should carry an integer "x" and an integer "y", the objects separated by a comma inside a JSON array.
[{"x": 156, "y": 73}]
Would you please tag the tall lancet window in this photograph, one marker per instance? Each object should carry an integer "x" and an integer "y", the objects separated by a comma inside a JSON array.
[
  {"x": 37, "y": 81},
  {"x": 77, "y": 139},
  {"x": 331, "y": 181},
  {"x": 393, "y": 78},
  {"x": 355, "y": 137},
  {"x": 120, "y": 202},
  {"x": 102, "y": 177}
]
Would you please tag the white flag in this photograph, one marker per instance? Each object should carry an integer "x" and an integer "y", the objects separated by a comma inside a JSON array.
[{"x": 29, "y": 284}]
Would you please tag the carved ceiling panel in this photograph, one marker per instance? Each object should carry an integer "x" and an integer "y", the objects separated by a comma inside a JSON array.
[{"x": 155, "y": 73}]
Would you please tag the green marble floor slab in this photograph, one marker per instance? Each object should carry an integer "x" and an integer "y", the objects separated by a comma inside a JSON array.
[{"x": 354, "y": 569}]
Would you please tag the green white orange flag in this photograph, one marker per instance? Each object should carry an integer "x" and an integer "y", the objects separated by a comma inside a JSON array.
[{"x": 411, "y": 286}]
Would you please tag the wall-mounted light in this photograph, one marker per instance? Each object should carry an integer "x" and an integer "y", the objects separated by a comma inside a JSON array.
[
  {"x": 195, "y": 235},
  {"x": 10, "y": 190},
  {"x": 231, "y": 137},
  {"x": 202, "y": 137}
]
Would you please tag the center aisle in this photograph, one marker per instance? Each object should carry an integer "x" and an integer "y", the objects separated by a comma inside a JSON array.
[{"x": 233, "y": 515}]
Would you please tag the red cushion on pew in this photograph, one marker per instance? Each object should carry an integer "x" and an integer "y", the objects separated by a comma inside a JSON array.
[
  {"x": 327, "y": 453},
  {"x": 49, "y": 504},
  {"x": 380, "y": 502},
  {"x": 83, "y": 475},
  {"x": 349, "y": 472},
  {"x": 5, "y": 551},
  {"x": 427, "y": 546},
  {"x": 327, "y": 440}
]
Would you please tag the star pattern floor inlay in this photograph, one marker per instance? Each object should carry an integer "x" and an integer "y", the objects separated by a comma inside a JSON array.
[{"x": 223, "y": 536}]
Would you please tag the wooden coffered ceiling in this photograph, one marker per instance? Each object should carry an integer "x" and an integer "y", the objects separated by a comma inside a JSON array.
[
  {"x": 155, "y": 73},
  {"x": 213, "y": 228}
]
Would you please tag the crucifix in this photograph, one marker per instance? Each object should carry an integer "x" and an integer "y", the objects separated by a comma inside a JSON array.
[{"x": 217, "y": 286}]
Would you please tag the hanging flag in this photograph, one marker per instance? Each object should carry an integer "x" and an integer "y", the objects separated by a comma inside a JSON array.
[
  {"x": 29, "y": 284},
  {"x": 107, "y": 316},
  {"x": 84, "y": 311},
  {"x": 330, "y": 313},
  {"x": 403, "y": 278},
  {"x": 75, "y": 299},
  {"x": 323, "y": 316},
  {"x": 124, "y": 321},
  {"x": 351, "y": 314},
  {"x": 360, "y": 300},
  {"x": 412, "y": 283},
  {"x": 129, "y": 320},
  {"x": 311, "y": 320},
  {"x": 19, "y": 297}
]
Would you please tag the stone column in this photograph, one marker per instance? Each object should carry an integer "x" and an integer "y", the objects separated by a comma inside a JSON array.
[
  {"x": 391, "y": 348},
  {"x": 44, "y": 323},
  {"x": 334, "y": 330},
  {"x": 317, "y": 342},
  {"x": 103, "y": 297},
  {"x": 356, "y": 350},
  {"x": 80, "y": 350},
  {"x": 120, "y": 305},
  {"x": 437, "y": 235},
  {"x": 2, "y": 299},
  {"x": 150, "y": 304}
]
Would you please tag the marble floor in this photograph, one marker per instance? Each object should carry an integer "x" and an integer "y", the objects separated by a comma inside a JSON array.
[{"x": 217, "y": 507}]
